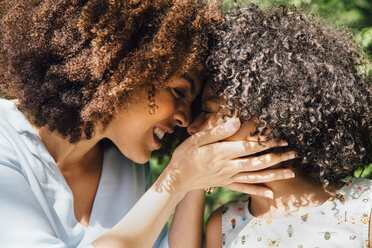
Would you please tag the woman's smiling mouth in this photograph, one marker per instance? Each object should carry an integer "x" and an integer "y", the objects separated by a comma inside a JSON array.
[{"x": 159, "y": 133}]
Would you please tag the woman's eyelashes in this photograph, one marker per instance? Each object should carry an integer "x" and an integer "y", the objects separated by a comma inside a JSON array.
[{"x": 178, "y": 93}]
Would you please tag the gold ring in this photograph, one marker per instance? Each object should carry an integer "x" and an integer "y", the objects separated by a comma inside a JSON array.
[{"x": 209, "y": 190}]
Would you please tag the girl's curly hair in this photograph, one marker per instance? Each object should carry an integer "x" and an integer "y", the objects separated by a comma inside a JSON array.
[
  {"x": 299, "y": 78},
  {"x": 74, "y": 63}
]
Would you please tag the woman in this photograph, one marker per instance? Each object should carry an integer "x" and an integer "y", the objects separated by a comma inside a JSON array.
[{"x": 95, "y": 87}]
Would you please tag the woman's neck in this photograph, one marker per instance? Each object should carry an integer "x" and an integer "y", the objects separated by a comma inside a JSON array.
[
  {"x": 68, "y": 156},
  {"x": 292, "y": 197}
]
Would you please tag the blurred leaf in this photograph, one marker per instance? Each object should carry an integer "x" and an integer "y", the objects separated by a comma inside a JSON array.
[
  {"x": 364, "y": 172},
  {"x": 364, "y": 38}
]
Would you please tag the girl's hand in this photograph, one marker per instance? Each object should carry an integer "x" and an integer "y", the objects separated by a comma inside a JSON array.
[{"x": 202, "y": 161}]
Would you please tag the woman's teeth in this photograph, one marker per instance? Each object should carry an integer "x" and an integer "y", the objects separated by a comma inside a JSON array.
[{"x": 159, "y": 133}]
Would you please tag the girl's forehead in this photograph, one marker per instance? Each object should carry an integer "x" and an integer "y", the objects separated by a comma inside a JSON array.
[{"x": 209, "y": 95}]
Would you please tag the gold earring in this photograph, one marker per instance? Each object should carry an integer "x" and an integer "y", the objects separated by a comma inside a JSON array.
[{"x": 153, "y": 106}]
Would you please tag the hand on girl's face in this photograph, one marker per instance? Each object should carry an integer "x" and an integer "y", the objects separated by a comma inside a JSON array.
[{"x": 216, "y": 154}]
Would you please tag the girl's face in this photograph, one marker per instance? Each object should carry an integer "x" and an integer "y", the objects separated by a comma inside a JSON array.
[
  {"x": 137, "y": 133},
  {"x": 209, "y": 118}
]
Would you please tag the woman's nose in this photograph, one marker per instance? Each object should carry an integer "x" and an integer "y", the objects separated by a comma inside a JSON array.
[{"x": 182, "y": 117}]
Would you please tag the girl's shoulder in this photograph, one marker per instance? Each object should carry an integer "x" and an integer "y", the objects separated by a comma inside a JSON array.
[
  {"x": 236, "y": 207},
  {"x": 356, "y": 188},
  {"x": 356, "y": 194},
  {"x": 235, "y": 216},
  {"x": 352, "y": 205}
]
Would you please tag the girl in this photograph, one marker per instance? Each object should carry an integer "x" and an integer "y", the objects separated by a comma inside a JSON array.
[
  {"x": 290, "y": 78},
  {"x": 96, "y": 85}
]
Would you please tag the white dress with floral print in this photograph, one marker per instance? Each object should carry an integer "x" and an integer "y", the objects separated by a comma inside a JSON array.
[{"x": 342, "y": 221}]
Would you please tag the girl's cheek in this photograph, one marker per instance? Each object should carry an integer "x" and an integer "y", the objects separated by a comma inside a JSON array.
[
  {"x": 244, "y": 133},
  {"x": 214, "y": 121},
  {"x": 207, "y": 122},
  {"x": 210, "y": 121}
]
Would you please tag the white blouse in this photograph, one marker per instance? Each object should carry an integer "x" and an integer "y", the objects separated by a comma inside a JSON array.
[{"x": 36, "y": 203}]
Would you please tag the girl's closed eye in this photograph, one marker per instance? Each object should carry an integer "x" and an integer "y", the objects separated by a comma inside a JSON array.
[
  {"x": 211, "y": 106},
  {"x": 207, "y": 111}
]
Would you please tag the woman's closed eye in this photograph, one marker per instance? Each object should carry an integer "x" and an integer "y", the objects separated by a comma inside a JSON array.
[{"x": 178, "y": 93}]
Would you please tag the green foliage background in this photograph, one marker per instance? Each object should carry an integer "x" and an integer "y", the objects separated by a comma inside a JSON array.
[{"x": 355, "y": 15}]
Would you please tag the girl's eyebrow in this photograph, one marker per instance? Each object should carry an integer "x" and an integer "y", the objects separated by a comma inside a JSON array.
[
  {"x": 212, "y": 99},
  {"x": 211, "y": 102}
]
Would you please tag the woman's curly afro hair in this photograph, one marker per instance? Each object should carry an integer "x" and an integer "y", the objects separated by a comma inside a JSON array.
[
  {"x": 74, "y": 63},
  {"x": 298, "y": 77}
]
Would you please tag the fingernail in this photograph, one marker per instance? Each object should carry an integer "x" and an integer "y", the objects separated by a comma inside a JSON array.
[
  {"x": 292, "y": 155},
  {"x": 269, "y": 194},
  {"x": 283, "y": 143},
  {"x": 289, "y": 174}
]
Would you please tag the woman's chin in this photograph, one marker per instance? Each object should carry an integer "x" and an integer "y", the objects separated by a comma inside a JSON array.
[{"x": 139, "y": 157}]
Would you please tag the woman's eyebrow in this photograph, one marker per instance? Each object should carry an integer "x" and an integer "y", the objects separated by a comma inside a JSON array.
[{"x": 191, "y": 82}]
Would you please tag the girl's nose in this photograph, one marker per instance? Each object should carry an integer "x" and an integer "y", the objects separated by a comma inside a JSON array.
[{"x": 193, "y": 128}]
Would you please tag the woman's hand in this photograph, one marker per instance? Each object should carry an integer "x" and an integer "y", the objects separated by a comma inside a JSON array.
[{"x": 202, "y": 161}]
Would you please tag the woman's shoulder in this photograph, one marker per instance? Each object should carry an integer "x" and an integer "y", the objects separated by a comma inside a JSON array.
[
  {"x": 7, "y": 108},
  {"x": 7, "y": 151},
  {"x": 18, "y": 139},
  {"x": 12, "y": 120}
]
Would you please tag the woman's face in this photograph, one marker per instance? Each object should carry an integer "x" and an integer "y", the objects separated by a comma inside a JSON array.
[
  {"x": 210, "y": 118},
  {"x": 137, "y": 133}
]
